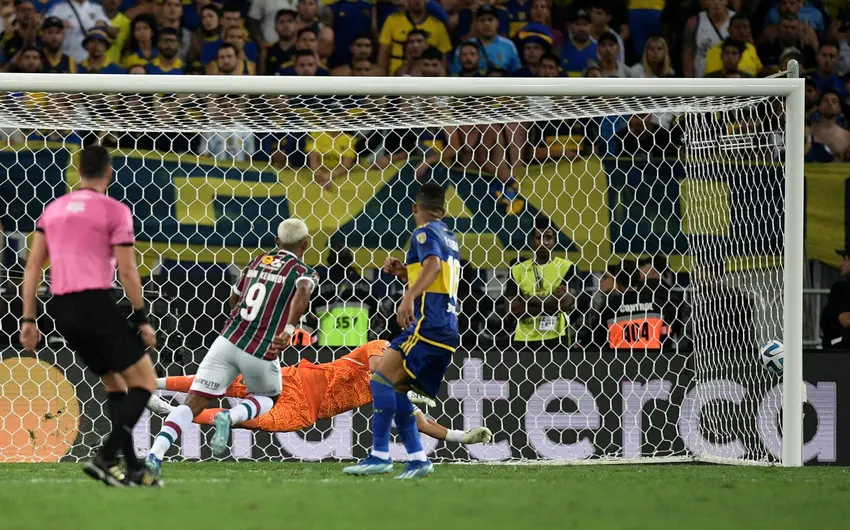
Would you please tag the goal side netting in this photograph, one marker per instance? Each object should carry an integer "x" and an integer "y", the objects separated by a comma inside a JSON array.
[{"x": 635, "y": 338}]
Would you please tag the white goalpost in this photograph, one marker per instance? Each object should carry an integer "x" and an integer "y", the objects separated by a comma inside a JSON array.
[{"x": 698, "y": 180}]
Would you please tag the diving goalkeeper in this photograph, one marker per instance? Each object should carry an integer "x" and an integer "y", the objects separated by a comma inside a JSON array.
[{"x": 314, "y": 392}]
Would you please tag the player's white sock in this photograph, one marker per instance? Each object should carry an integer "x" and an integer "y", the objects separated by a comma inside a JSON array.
[
  {"x": 172, "y": 429},
  {"x": 453, "y": 435},
  {"x": 250, "y": 408},
  {"x": 160, "y": 383}
]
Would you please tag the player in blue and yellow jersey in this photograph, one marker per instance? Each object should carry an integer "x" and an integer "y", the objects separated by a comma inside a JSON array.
[
  {"x": 417, "y": 357},
  {"x": 167, "y": 61}
]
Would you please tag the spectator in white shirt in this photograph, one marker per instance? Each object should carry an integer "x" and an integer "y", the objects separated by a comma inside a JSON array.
[
  {"x": 79, "y": 17},
  {"x": 262, "y": 18}
]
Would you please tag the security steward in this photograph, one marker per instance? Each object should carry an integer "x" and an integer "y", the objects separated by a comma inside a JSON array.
[{"x": 541, "y": 292}]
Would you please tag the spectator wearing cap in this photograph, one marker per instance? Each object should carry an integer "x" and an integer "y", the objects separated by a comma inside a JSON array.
[
  {"x": 826, "y": 129},
  {"x": 167, "y": 62},
  {"x": 534, "y": 41},
  {"x": 578, "y": 50},
  {"x": 495, "y": 51},
  {"x": 141, "y": 46},
  {"x": 469, "y": 60},
  {"x": 280, "y": 51},
  {"x": 361, "y": 49},
  {"x": 263, "y": 19},
  {"x": 80, "y": 17},
  {"x": 600, "y": 20},
  {"x": 416, "y": 44},
  {"x": 730, "y": 57},
  {"x": 462, "y": 22},
  {"x": 308, "y": 17},
  {"x": 825, "y": 75},
  {"x": 739, "y": 30},
  {"x": 703, "y": 31},
  {"x": 607, "y": 51},
  {"x": 118, "y": 31},
  {"x": 541, "y": 13},
  {"x": 835, "y": 317},
  {"x": 655, "y": 61},
  {"x": 398, "y": 25},
  {"x": 350, "y": 20},
  {"x": 97, "y": 62},
  {"x": 775, "y": 39},
  {"x": 171, "y": 16},
  {"x": 28, "y": 60},
  {"x": 52, "y": 37}
]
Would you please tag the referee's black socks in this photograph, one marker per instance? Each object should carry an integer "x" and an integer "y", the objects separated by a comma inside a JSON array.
[
  {"x": 115, "y": 402},
  {"x": 124, "y": 410}
]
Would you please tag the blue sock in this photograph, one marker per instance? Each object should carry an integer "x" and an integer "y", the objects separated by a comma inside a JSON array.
[
  {"x": 383, "y": 410},
  {"x": 405, "y": 422}
]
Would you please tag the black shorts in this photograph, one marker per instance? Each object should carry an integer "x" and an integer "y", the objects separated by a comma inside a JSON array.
[{"x": 93, "y": 326}]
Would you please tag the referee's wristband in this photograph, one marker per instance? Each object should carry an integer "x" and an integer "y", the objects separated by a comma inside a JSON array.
[
  {"x": 138, "y": 317},
  {"x": 27, "y": 320}
]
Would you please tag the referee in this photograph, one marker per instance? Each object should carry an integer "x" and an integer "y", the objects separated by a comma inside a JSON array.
[{"x": 86, "y": 233}]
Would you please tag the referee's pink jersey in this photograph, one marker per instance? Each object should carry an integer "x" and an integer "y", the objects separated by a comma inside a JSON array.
[{"x": 81, "y": 228}]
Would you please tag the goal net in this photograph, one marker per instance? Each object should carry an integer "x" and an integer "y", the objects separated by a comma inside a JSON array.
[{"x": 623, "y": 251}]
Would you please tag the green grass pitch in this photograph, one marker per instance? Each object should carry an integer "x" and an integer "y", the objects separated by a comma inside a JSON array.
[{"x": 269, "y": 495}]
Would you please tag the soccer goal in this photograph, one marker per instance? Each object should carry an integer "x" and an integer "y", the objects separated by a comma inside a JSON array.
[{"x": 690, "y": 190}]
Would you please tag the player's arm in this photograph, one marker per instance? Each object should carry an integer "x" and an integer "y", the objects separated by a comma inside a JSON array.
[
  {"x": 298, "y": 306},
  {"x": 522, "y": 306},
  {"x": 236, "y": 291},
  {"x": 430, "y": 270},
  {"x": 35, "y": 263},
  {"x": 128, "y": 275}
]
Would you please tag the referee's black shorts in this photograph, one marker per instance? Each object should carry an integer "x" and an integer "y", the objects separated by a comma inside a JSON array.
[{"x": 93, "y": 326}]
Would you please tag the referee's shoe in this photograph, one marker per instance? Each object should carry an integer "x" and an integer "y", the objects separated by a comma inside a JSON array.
[
  {"x": 141, "y": 478},
  {"x": 109, "y": 474}
]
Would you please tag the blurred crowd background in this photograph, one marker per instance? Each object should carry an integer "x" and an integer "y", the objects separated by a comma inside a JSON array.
[{"x": 470, "y": 38}]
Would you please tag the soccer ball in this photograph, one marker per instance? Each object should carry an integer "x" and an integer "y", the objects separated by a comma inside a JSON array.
[{"x": 772, "y": 356}]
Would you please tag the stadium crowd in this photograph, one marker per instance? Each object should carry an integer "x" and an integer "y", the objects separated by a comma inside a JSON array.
[
  {"x": 469, "y": 38},
  {"x": 524, "y": 38}
]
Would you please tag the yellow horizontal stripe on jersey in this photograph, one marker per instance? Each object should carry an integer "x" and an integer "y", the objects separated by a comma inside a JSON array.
[
  {"x": 440, "y": 285},
  {"x": 435, "y": 343}
]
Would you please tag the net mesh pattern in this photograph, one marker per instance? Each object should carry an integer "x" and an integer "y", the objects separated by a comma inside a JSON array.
[{"x": 621, "y": 263}]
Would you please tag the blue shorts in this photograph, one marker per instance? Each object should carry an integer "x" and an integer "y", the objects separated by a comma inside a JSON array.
[{"x": 425, "y": 363}]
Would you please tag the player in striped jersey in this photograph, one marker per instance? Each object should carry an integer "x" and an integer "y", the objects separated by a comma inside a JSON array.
[{"x": 272, "y": 294}]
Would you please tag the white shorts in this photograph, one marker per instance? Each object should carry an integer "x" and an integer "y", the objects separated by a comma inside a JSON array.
[{"x": 224, "y": 362}]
